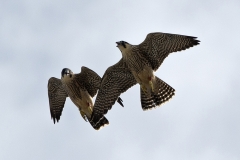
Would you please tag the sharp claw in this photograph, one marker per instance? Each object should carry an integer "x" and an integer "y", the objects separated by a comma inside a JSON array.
[
  {"x": 151, "y": 84},
  {"x": 83, "y": 116},
  {"x": 90, "y": 109},
  {"x": 144, "y": 89},
  {"x": 119, "y": 100}
]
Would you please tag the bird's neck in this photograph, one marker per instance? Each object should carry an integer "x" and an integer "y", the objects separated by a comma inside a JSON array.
[
  {"x": 68, "y": 79},
  {"x": 126, "y": 52}
]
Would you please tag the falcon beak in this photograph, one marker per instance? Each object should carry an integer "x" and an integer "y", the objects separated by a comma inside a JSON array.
[{"x": 117, "y": 43}]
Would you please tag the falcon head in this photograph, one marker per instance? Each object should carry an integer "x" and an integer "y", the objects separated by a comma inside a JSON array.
[
  {"x": 122, "y": 44},
  {"x": 67, "y": 73}
]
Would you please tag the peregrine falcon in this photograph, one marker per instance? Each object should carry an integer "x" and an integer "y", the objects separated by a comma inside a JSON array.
[
  {"x": 80, "y": 88},
  {"x": 137, "y": 66},
  {"x": 145, "y": 58}
]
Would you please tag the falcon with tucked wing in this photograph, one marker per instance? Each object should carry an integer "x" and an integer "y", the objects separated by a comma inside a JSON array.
[
  {"x": 80, "y": 88},
  {"x": 116, "y": 80},
  {"x": 145, "y": 58}
]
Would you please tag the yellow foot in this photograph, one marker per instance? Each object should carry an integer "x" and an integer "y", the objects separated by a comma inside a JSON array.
[
  {"x": 83, "y": 115},
  {"x": 144, "y": 89},
  {"x": 151, "y": 84},
  {"x": 90, "y": 109}
]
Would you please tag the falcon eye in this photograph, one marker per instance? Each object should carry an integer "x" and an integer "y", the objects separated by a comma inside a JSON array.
[{"x": 123, "y": 44}]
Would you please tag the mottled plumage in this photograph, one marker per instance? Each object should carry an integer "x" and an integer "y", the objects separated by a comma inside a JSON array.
[
  {"x": 157, "y": 46},
  {"x": 145, "y": 58},
  {"x": 116, "y": 80},
  {"x": 137, "y": 66},
  {"x": 57, "y": 97},
  {"x": 80, "y": 88}
]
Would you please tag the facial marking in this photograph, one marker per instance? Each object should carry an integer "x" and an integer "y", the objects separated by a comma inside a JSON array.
[
  {"x": 123, "y": 44},
  {"x": 66, "y": 72}
]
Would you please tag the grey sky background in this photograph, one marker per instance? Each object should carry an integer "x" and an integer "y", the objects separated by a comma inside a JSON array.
[{"x": 40, "y": 38}]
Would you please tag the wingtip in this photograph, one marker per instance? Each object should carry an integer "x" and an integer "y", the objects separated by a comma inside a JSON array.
[
  {"x": 55, "y": 119},
  {"x": 99, "y": 128},
  {"x": 119, "y": 100},
  {"x": 195, "y": 41},
  {"x": 98, "y": 122}
]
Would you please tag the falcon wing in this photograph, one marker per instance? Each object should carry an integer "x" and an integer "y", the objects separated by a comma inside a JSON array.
[
  {"x": 89, "y": 80},
  {"x": 116, "y": 80},
  {"x": 57, "y": 97},
  {"x": 157, "y": 46}
]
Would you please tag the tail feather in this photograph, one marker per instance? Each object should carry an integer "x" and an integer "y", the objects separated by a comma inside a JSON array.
[
  {"x": 98, "y": 123},
  {"x": 162, "y": 93}
]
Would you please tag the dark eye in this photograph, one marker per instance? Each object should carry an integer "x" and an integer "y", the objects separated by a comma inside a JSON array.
[{"x": 123, "y": 44}]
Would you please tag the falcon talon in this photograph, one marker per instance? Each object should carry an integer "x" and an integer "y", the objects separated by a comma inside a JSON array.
[
  {"x": 144, "y": 89},
  {"x": 90, "y": 109},
  {"x": 83, "y": 115},
  {"x": 151, "y": 84}
]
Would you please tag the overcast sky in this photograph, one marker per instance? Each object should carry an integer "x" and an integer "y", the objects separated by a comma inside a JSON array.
[{"x": 40, "y": 38}]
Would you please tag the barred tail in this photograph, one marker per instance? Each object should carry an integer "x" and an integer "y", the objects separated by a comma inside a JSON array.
[
  {"x": 98, "y": 122},
  {"x": 162, "y": 93}
]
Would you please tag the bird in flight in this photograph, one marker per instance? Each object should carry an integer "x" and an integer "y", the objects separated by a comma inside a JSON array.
[
  {"x": 138, "y": 64},
  {"x": 80, "y": 88}
]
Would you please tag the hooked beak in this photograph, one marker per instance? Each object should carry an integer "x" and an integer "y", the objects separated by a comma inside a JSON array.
[
  {"x": 70, "y": 74},
  {"x": 118, "y": 43}
]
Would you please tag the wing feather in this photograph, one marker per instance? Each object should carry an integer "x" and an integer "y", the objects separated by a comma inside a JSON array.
[
  {"x": 116, "y": 80},
  {"x": 157, "y": 46},
  {"x": 89, "y": 80},
  {"x": 57, "y": 97}
]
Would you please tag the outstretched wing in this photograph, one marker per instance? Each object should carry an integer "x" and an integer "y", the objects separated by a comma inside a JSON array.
[
  {"x": 89, "y": 80},
  {"x": 57, "y": 97},
  {"x": 157, "y": 46},
  {"x": 116, "y": 80}
]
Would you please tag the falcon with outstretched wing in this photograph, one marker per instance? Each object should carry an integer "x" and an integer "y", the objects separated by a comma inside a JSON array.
[
  {"x": 80, "y": 88},
  {"x": 145, "y": 58}
]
